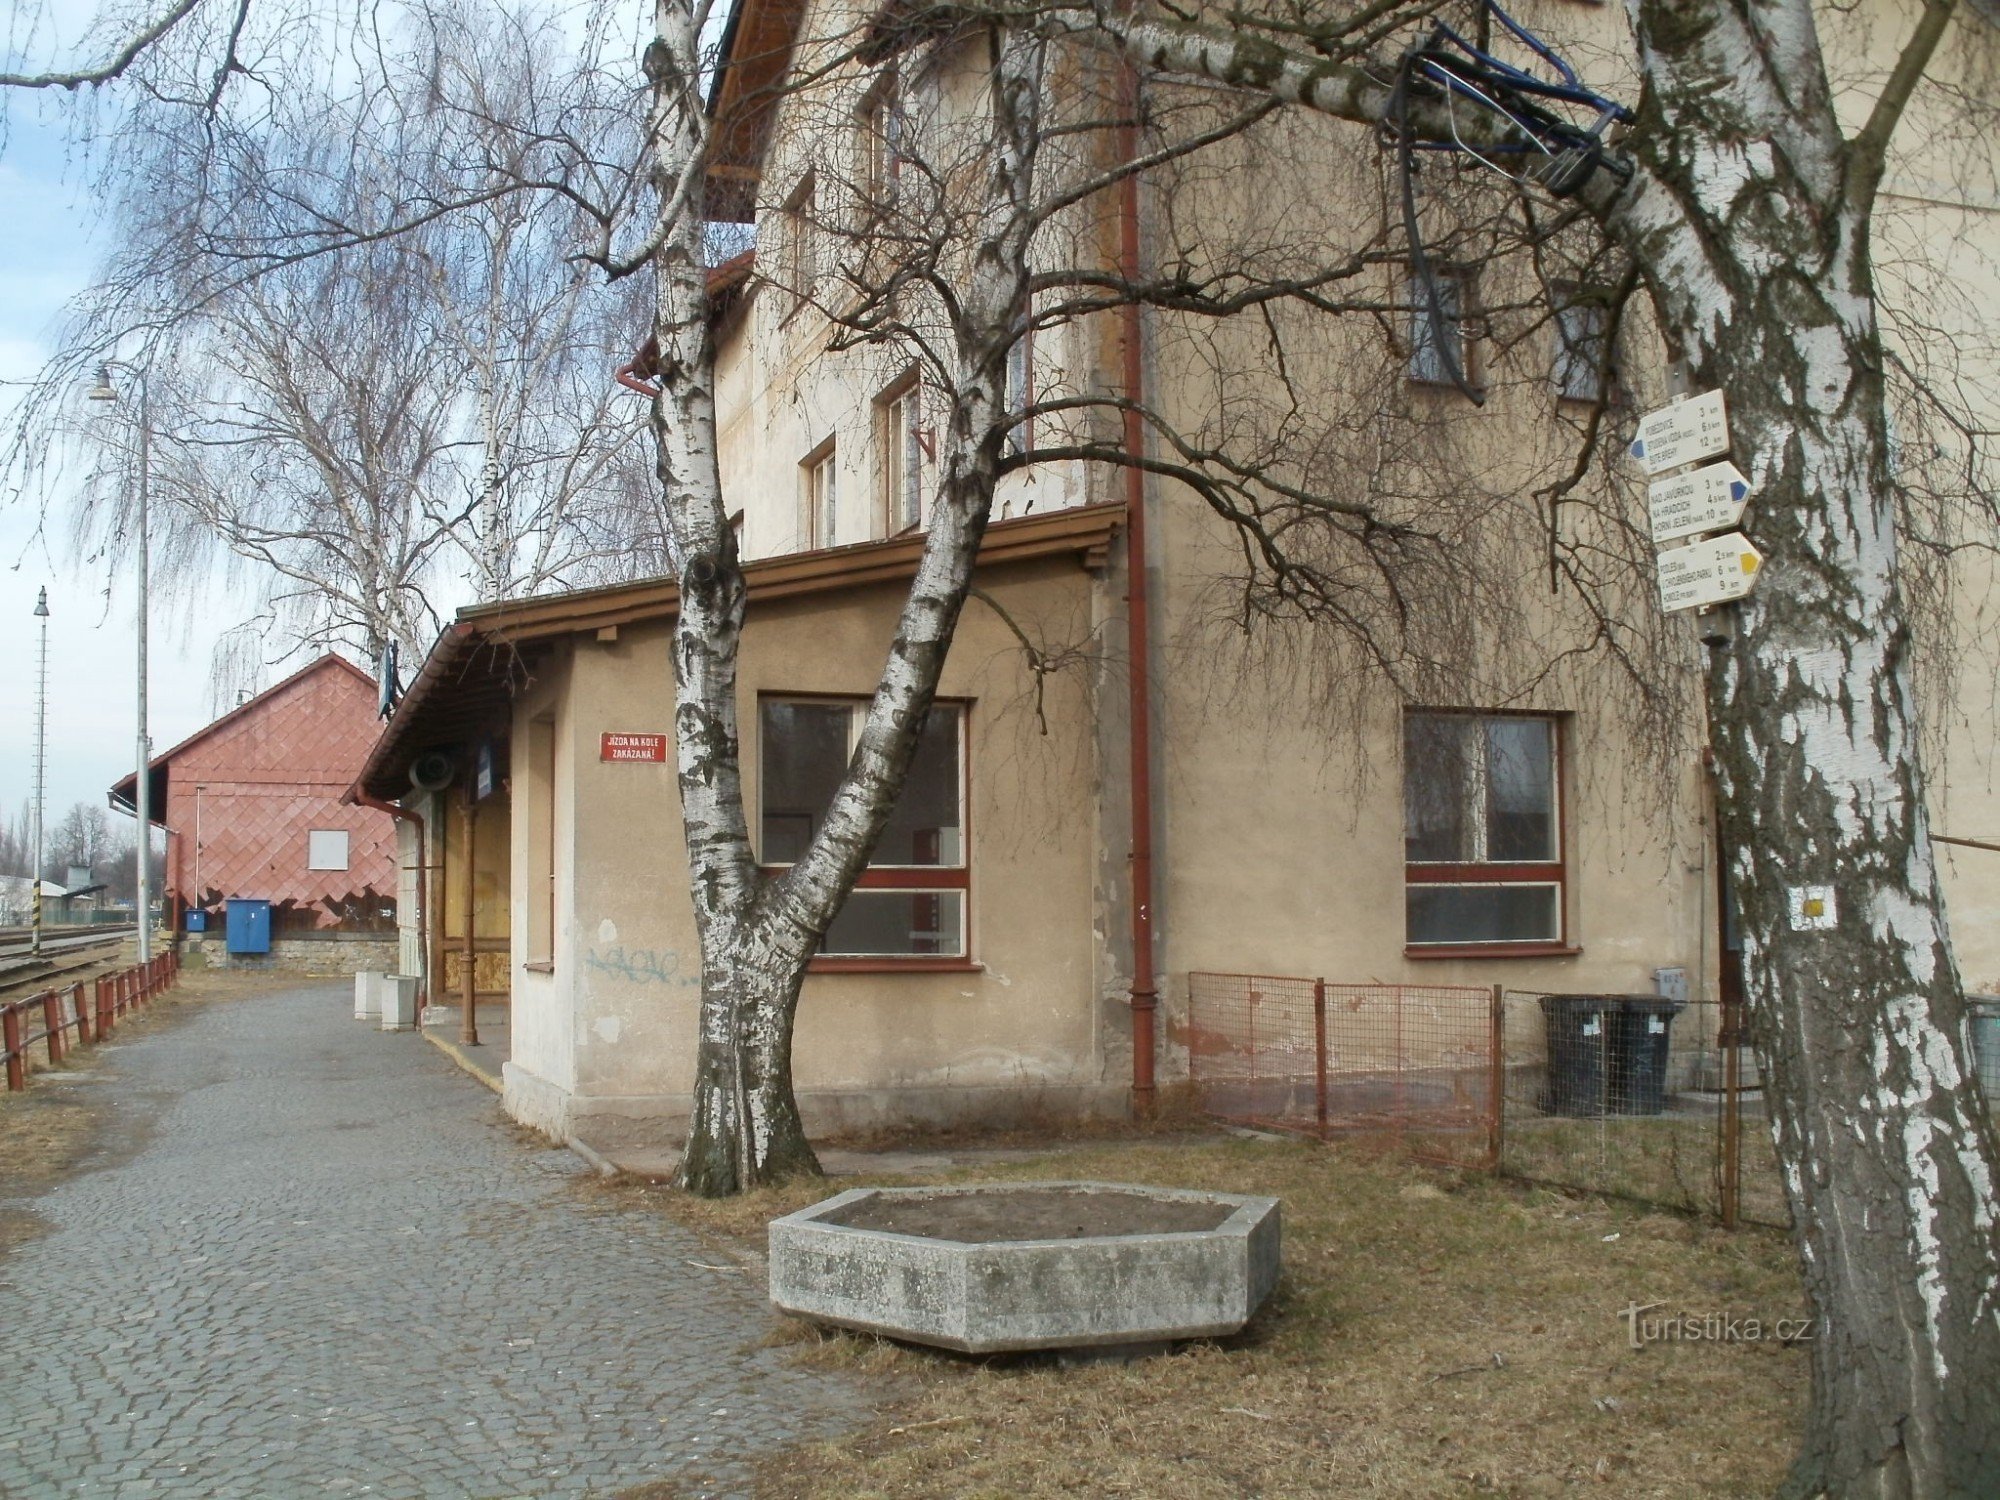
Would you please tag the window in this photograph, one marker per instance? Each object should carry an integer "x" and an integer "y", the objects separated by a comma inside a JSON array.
[
  {"x": 541, "y": 868},
  {"x": 1581, "y": 370},
  {"x": 1482, "y": 829},
  {"x": 326, "y": 849},
  {"x": 798, "y": 251},
  {"x": 817, "y": 482},
  {"x": 899, "y": 426},
  {"x": 1020, "y": 389},
  {"x": 1427, "y": 355},
  {"x": 884, "y": 133},
  {"x": 910, "y": 903}
]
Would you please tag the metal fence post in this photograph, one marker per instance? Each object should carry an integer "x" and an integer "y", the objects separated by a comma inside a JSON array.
[
  {"x": 1731, "y": 1186},
  {"x": 10, "y": 1033},
  {"x": 52, "y": 1024},
  {"x": 1496, "y": 1084},
  {"x": 1319, "y": 1053},
  {"x": 82, "y": 1014}
]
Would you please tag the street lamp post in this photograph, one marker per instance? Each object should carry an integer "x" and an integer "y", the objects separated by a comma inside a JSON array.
[
  {"x": 41, "y": 764},
  {"x": 142, "y": 788}
]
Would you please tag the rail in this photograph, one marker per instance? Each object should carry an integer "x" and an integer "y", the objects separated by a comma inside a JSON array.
[{"x": 64, "y": 1009}]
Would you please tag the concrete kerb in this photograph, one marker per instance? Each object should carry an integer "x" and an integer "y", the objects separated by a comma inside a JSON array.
[{"x": 452, "y": 1050}]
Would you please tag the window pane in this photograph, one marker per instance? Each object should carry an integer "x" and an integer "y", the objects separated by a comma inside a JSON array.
[
  {"x": 1580, "y": 330},
  {"x": 909, "y": 508},
  {"x": 1439, "y": 769},
  {"x": 1482, "y": 914},
  {"x": 1520, "y": 785},
  {"x": 1426, "y": 354},
  {"x": 924, "y": 828},
  {"x": 803, "y": 751},
  {"x": 326, "y": 849},
  {"x": 889, "y": 923}
]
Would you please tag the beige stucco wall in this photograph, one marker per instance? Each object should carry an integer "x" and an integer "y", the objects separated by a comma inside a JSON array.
[
  {"x": 1279, "y": 807},
  {"x": 604, "y": 1045}
]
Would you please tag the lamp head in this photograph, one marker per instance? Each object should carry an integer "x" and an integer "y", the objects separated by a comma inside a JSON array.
[
  {"x": 104, "y": 390},
  {"x": 42, "y": 604}
]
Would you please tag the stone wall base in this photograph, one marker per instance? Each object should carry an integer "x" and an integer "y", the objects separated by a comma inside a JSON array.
[{"x": 336, "y": 953}]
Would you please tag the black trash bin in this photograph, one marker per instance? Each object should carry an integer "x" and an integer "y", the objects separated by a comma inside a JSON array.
[
  {"x": 1641, "y": 1030},
  {"x": 1579, "y": 1053}
]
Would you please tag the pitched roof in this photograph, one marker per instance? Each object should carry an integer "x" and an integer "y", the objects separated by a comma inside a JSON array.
[
  {"x": 488, "y": 654},
  {"x": 125, "y": 788},
  {"x": 743, "y": 100}
]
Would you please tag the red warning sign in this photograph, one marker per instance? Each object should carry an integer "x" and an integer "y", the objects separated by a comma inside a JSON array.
[{"x": 633, "y": 747}]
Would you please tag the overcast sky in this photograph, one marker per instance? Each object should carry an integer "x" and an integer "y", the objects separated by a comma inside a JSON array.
[{"x": 45, "y": 257}]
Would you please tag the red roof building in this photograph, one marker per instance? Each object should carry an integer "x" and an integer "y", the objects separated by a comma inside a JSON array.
[{"x": 252, "y": 808}]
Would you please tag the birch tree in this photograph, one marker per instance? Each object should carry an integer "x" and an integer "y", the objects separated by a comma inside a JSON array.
[
  {"x": 367, "y": 404},
  {"x": 975, "y": 217},
  {"x": 1748, "y": 212}
]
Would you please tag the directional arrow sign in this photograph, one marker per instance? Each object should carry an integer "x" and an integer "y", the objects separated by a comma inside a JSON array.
[
  {"x": 1708, "y": 499},
  {"x": 1684, "y": 433},
  {"x": 1711, "y": 572}
]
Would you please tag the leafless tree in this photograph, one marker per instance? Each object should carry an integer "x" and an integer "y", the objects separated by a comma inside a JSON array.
[
  {"x": 972, "y": 212},
  {"x": 1749, "y": 214},
  {"x": 358, "y": 400}
]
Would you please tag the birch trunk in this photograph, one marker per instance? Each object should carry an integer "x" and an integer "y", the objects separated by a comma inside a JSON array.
[
  {"x": 757, "y": 935},
  {"x": 1749, "y": 216},
  {"x": 1751, "y": 222}
]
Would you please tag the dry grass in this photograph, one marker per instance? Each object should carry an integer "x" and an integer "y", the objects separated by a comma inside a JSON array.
[{"x": 1431, "y": 1337}]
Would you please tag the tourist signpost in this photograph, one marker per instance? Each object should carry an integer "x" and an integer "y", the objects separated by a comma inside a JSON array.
[
  {"x": 1696, "y": 503},
  {"x": 1709, "y": 572},
  {"x": 1684, "y": 433}
]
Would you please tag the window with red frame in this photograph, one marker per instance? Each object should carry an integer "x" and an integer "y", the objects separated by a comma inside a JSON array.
[
  {"x": 1482, "y": 834},
  {"x": 910, "y": 902}
]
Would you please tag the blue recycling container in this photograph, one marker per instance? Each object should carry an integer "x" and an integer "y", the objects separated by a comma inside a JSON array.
[
  {"x": 197, "y": 920},
  {"x": 248, "y": 926}
]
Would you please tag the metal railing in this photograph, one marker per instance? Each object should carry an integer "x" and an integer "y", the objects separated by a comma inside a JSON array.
[{"x": 66, "y": 1009}]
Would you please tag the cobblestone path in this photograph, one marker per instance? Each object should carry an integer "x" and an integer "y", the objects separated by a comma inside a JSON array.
[{"x": 331, "y": 1268}]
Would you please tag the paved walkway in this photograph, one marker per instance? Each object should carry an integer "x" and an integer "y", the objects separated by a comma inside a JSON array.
[{"x": 332, "y": 1268}]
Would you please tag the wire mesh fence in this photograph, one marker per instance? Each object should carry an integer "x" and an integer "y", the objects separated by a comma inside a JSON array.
[
  {"x": 1636, "y": 1096},
  {"x": 1407, "y": 1066},
  {"x": 1641, "y": 1097}
]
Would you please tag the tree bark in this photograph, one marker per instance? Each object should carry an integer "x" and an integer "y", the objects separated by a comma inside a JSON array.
[
  {"x": 1749, "y": 216},
  {"x": 1748, "y": 226},
  {"x": 757, "y": 935}
]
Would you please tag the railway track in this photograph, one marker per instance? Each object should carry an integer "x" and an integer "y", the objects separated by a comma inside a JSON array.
[
  {"x": 61, "y": 957},
  {"x": 52, "y": 976},
  {"x": 50, "y": 932}
]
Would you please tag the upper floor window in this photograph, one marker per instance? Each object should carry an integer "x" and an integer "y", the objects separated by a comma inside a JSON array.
[
  {"x": 900, "y": 441},
  {"x": 1582, "y": 366},
  {"x": 1436, "y": 344},
  {"x": 910, "y": 902},
  {"x": 1482, "y": 829},
  {"x": 798, "y": 245},
  {"x": 1020, "y": 390},
  {"x": 884, "y": 141},
  {"x": 817, "y": 478},
  {"x": 326, "y": 849}
]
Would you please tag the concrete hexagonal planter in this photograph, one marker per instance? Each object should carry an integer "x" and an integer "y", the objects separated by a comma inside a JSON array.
[{"x": 1044, "y": 1265}]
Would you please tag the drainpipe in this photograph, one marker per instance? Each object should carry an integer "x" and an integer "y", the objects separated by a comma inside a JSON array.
[
  {"x": 1138, "y": 647},
  {"x": 361, "y": 799}
]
